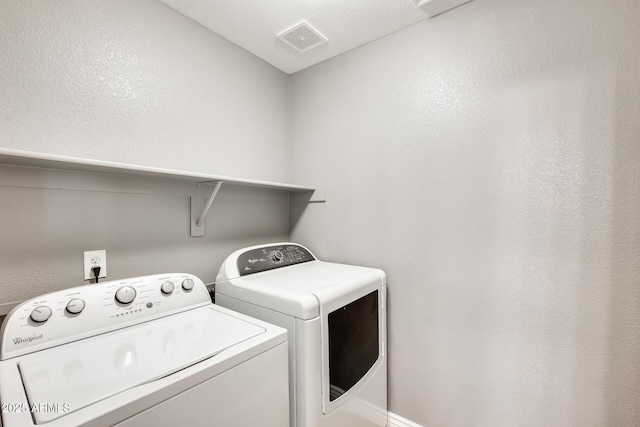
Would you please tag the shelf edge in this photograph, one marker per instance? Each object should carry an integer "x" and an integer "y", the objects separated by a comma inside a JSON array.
[{"x": 76, "y": 164}]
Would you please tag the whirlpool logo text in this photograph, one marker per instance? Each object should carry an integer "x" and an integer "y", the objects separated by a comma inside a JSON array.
[{"x": 27, "y": 340}]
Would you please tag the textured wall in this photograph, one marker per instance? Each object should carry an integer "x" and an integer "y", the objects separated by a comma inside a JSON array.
[
  {"x": 489, "y": 160},
  {"x": 135, "y": 82},
  {"x": 44, "y": 232}
]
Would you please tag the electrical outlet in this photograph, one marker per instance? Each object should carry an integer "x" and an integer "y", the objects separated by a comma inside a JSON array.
[{"x": 95, "y": 259}]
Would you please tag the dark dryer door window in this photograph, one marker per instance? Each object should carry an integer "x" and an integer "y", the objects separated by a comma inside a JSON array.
[{"x": 353, "y": 343}]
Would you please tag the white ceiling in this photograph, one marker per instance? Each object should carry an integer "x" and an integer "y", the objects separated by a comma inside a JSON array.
[{"x": 254, "y": 24}]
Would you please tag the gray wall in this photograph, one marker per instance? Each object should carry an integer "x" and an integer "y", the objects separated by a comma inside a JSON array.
[
  {"x": 136, "y": 82},
  {"x": 488, "y": 160},
  {"x": 133, "y": 82}
]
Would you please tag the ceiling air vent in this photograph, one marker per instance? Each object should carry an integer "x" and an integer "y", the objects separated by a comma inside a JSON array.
[{"x": 302, "y": 37}]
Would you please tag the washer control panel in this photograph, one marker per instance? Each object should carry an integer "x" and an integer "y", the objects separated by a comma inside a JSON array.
[
  {"x": 271, "y": 257},
  {"x": 76, "y": 313}
]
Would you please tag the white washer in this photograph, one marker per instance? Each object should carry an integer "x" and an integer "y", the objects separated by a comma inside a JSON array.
[
  {"x": 147, "y": 351},
  {"x": 336, "y": 318}
]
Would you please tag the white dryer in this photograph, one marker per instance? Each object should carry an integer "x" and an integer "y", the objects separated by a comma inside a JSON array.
[
  {"x": 147, "y": 351},
  {"x": 336, "y": 318}
]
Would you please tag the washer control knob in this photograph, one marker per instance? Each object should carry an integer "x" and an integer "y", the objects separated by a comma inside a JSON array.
[
  {"x": 187, "y": 284},
  {"x": 41, "y": 314},
  {"x": 75, "y": 306},
  {"x": 125, "y": 295},
  {"x": 167, "y": 287},
  {"x": 277, "y": 256}
]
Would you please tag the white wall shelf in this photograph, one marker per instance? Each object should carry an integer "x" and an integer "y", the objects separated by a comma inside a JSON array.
[{"x": 199, "y": 210}]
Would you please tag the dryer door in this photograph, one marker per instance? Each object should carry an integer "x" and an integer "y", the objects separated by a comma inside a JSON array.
[{"x": 354, "y": 332}]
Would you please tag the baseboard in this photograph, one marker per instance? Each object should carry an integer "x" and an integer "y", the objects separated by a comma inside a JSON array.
[{"x": 395, "y": 420}]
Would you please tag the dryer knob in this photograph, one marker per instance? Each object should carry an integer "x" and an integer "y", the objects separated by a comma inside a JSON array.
[
  {"x": 41, "y": 314},
  {"x": 167, "y": 288},
  {"x": 125, "y": 295},
  {"x": 277, "y": 256},
  {"x": 187, "y": 284},
  {"x": 75, "y": 306}
]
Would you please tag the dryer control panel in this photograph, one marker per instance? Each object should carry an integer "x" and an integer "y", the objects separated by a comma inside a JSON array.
[{"x": 271, "y": 257}]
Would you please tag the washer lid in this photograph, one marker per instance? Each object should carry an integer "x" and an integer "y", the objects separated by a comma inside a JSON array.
[
  {"x": 79, "y": 374},
  {"x": 298, "y": 290}
]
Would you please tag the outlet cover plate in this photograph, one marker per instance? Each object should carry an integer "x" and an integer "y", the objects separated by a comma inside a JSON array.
[{"x": 93, "y": 259}]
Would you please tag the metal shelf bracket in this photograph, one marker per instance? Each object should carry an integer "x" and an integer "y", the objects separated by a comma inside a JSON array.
[{"x": 197, "y": 203}]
